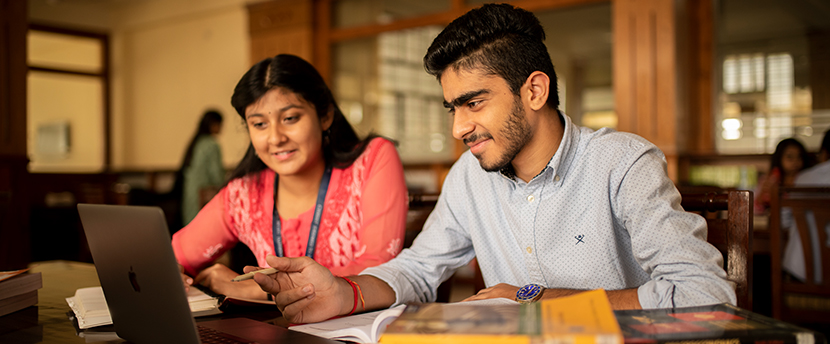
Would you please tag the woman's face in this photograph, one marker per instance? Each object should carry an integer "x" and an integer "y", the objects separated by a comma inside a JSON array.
[
  {"x": 286, "y": 132},
  {"x": 791, "y": 160}
]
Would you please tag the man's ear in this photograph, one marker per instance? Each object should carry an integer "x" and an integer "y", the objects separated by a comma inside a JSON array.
[
  {"x": 326, "y": 121},
  {"x": 537, "y": 90}
]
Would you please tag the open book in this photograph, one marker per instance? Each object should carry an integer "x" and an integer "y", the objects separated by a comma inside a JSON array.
[
  {"x": 90, "y": 306},
  {"x": 368, "y": 327},
  {"x": 360, "y": 328}
]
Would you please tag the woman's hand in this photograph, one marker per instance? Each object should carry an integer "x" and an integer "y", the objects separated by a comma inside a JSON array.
[
  {"x": 304, "y": 290},
  {"x": 186, "y": 280},
  {"x": 218, "y": 278}
]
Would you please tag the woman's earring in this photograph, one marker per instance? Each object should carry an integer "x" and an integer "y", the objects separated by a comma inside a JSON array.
[{"x": 326, "y": 136}]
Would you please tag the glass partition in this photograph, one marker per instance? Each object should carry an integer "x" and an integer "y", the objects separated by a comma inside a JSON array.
[
  {"x": 579, "y": 44},
  {"x": 66, "y": 52},
  {"x": 381, "y": 86},
  {"x": 772, "y": 62}
]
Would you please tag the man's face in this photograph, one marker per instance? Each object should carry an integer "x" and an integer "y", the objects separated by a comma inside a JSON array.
[{"x": 487, "y": 116}]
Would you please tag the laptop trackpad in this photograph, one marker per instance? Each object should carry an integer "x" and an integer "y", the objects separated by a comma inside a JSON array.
[{"x": 261, "y": 332}]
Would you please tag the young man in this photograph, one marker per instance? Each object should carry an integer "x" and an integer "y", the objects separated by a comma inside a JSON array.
[{"x": 545, "y": 206}]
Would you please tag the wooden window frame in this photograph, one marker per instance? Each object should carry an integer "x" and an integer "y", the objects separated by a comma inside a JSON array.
[{"x": 103, "y": 74}]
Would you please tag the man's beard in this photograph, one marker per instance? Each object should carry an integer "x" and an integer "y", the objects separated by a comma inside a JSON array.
[{"x": 515, "y": 133}]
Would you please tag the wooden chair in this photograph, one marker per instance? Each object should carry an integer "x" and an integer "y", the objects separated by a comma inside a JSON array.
[
  {"x": 732, "y": 235},
  {"x": 420, "y": 206},
  {"x": 792, "y": 300}
]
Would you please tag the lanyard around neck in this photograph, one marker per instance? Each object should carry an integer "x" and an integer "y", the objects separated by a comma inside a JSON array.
[{"x": 315, "y": 222}]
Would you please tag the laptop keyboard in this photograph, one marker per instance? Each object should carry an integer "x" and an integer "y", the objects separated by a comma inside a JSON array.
[{"x": 210, "y": 336}]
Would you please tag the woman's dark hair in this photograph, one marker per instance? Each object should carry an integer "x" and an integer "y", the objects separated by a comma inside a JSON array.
[
  {"x": 209, "y": 118},
  {"x": 778, "y": 155},
  {"x": 341, "y": 145},
  {"x": 499, "y": 38}
]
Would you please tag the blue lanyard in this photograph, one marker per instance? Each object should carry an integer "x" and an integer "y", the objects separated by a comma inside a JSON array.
[{"x": 315, "y": 223}]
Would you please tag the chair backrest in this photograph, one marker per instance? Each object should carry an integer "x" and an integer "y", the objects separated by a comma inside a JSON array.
[
  {"x": 732, "y": 235},
  {"x": 420, "y": 206},
  {"x": 795, "y": 300}
]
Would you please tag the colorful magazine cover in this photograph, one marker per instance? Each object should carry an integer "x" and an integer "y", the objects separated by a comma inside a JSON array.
[{"x": 715, "y": 324}]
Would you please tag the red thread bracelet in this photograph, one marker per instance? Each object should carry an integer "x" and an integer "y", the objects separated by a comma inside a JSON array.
[
  {"x": 362, "y": 301},
  {"x": 354, "y": 288}
]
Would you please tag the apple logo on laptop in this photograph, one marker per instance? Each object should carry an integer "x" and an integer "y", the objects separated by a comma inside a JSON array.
[{"x": 134, "y": 280}]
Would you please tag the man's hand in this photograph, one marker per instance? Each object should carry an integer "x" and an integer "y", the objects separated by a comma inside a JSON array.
[
  {"x": 499, "y": 290},
  {"x": 218, "y": 278},
  {"x": 304, "y": 290}
]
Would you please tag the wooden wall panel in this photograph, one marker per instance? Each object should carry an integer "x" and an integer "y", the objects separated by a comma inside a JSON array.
[
  {"x": 13, "y": 78},
  {"x": 281, "y": 27},
  {"x": 820, "y": 70},
  {"x": 700, "y": 75},
  {"x": 14, "y": 236},
  {"x": 645, "y": 72}
]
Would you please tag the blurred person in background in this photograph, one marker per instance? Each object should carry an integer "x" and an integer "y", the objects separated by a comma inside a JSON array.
[
  {"x": 202, "y": 172},
  {"x": 789, "y": 158},
  {"x": 793, "y": 258}
]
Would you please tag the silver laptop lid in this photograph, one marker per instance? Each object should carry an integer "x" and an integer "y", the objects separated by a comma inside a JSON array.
[{"x": 132, "y": 251}]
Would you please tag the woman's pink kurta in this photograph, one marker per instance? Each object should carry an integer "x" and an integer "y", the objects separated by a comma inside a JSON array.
[{"x": 362, "y": 224}]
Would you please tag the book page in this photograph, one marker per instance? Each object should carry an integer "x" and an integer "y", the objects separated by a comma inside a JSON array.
[
  {"x": 200, "y": 301},
  {"x": 361, "y": 328},
  {"x": 9, "y": 274},
  {"x": 91, "y": 310}
]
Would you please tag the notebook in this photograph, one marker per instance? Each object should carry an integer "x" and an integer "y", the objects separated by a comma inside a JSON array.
[{"x": 130, "y": 246}]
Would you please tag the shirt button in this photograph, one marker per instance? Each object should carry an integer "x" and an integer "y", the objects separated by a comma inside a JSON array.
[
  {"x": 529, "y": 250},
  {"x": 530, "y": 198},
  {"x": 556, "y": 178}
]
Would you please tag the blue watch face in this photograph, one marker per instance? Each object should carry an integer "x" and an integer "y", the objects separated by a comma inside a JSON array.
[{"x": 528, "y": 292}]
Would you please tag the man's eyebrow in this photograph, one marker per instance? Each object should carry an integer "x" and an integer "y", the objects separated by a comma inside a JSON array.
[{"x": 462, "y": 99}]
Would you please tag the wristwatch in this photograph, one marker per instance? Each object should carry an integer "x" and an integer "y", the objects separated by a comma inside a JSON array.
[{"x": 529, "y": 293}]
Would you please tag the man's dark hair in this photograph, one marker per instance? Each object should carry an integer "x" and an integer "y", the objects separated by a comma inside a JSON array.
[
  {"x": 499, "y": 38},
  {"x": 825, "y": 143}
]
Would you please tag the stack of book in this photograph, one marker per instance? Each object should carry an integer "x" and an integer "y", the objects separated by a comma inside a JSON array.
[{"x": 18, "y": 290}]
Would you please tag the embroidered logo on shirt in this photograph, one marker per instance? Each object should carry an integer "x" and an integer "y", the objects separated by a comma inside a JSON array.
[{"x": 579, "y": 239}]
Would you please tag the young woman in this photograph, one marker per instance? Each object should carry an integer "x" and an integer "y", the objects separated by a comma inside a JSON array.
[
  {"x": 789, "y": 158},
  {"x": 202, "y": 165},
  {"x": 306, "y": 186}
]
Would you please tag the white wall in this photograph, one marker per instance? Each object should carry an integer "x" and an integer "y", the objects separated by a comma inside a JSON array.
[{"x": 171, "y": 60}]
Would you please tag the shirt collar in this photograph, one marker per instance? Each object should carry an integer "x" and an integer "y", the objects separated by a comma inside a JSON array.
[{"x": 562, "y": 159}]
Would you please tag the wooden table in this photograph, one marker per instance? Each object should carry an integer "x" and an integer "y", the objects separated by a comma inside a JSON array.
[{"x": 47, "y": 322}]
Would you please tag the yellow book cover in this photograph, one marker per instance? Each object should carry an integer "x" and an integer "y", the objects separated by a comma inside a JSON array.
[{"x": 584, "y": 318}]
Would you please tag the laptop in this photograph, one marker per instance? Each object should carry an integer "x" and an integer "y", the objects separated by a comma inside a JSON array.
[{"x": 131, "y": 248}]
